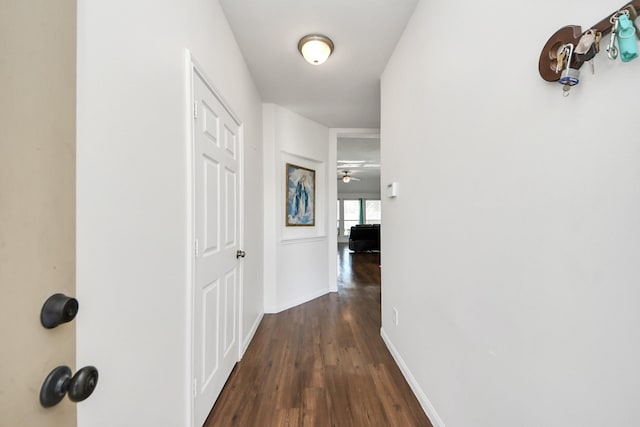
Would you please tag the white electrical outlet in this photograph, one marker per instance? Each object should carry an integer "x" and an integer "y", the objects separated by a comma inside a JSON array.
[{"x": 395, "y": 316}]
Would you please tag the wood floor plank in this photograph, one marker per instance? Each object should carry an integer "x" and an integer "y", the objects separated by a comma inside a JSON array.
[{"x": 322, "y": 363}]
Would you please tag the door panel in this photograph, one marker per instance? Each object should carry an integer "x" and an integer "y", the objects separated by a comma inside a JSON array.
[
  {"x": 231, "y": 208},
  {"x": 231, "y": 315},
  {"x": 37, "y": 202},
  {"x": 230, "y": 142},
  {"x": 210, "y": 329},
  {"x": 210, "y": 123},
  {"x": 216, "y": 275},
  {"x": 211, "y": 216}
]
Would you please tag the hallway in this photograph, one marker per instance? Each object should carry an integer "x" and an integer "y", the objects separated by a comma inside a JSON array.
[{"x": 322, "y": 363}]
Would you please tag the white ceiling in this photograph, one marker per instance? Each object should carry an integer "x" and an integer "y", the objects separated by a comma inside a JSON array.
[
  {"x": 361, "y": 157},
  {"x": 344, "y": 91}
]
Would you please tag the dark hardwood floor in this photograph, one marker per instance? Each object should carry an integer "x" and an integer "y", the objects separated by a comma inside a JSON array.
[{"x": 322, "y": 363}]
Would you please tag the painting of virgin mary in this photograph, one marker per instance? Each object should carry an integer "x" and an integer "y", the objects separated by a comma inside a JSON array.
[{"x": 300, "y": 196}]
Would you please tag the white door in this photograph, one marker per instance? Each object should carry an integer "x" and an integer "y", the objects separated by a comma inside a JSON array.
[{"x": 217, "y": 222}]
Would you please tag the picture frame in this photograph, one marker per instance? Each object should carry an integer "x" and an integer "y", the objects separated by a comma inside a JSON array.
[{"x": 300, "y": 209}]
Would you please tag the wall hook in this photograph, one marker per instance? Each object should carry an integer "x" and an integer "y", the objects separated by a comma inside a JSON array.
[{"x": 571, "y": 34}]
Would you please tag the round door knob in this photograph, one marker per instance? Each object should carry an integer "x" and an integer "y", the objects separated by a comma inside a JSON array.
[
  {"x": 55, "y": 386},
  {"x": 83, "y": 383},
  {"x": 60, "y": 382}
]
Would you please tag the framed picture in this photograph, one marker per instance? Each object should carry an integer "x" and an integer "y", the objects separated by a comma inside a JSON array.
[{"x": 301, "y": 196}]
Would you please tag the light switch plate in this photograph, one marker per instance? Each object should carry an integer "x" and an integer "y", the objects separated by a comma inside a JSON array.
[{"x": 392, "y": 189}]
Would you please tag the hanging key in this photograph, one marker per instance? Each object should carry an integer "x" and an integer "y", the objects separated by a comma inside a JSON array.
[
  {"x": 586, "y": 49},
  {"x": 596, "y": 44},
  {"x": 592, "y": 65},
  {"x": 561, "y": 56},
  {"x": 597, "y": 40}
]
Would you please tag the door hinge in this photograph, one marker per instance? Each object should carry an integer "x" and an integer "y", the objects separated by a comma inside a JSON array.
[
  {"x": 195, "y": 110},
  {"x": 195, "y": 387},
  {"x": 195, "y": 247}
]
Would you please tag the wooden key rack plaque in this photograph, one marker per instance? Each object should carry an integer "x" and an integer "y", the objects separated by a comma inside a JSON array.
[{"x": 571, "y": 34}]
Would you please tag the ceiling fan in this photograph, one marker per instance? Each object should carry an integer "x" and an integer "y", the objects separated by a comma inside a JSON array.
[{"x": 347, "y": 178}]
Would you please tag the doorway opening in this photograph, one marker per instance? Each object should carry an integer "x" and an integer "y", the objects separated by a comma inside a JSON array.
[
  {"x": 358, "y": 207},
  {"x": 356, "y": 156}
]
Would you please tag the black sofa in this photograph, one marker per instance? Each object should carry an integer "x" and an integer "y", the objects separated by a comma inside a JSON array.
[{"x": 364, "y": 237}]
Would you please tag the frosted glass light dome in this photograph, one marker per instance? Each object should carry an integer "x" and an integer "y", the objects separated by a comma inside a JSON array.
[{"x": 315, "y": 48}]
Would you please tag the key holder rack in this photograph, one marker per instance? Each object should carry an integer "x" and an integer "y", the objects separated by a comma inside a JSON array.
[{"x": 572, "y": 34}]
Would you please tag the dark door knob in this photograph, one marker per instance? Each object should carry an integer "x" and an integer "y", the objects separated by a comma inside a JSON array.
[
  {"x": 60, "y": 382},
  {"x": 57, "y": 309},
  {"x": 83, "y": 383},
  {"x": 240, "y": 254},
  {"x": 55, "y": 386}
]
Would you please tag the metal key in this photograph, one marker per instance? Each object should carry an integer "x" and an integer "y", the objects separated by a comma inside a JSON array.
[
  {"x": 589, "y": 56},
  {"x": 562, "y": 54},
  {"x": 596, "y": 42}
]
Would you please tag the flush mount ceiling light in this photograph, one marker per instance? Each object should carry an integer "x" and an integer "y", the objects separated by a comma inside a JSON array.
[{"x": 315, "y": 48}]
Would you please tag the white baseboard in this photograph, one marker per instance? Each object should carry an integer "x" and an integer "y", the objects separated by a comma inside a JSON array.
[
  {"x": 417, "y": 390},
  {"x": 250, "y": 335}
]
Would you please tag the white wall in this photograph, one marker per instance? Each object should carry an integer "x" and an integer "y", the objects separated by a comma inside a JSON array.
[
  {"x": 133, "y": 236},
  {"x": 296, "y": 258},
  {"x": 367, "y": 184},
  {"x": 511, "y": 252}
]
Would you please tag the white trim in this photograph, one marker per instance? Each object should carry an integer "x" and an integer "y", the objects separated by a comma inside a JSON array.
[
  {"x": 428, "y": 408},
  {"x": 357, "y": 133},
  {"x": 251, "y": 334},
  {"x": 190, "y": 233},
  {"x": 296, "y": 240},
  {"x": 354, "y": 196},
  {"x": 297, "y": 302},
  {"x": 332, "y": 194},
  {"x": 241, "y": 245}
]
